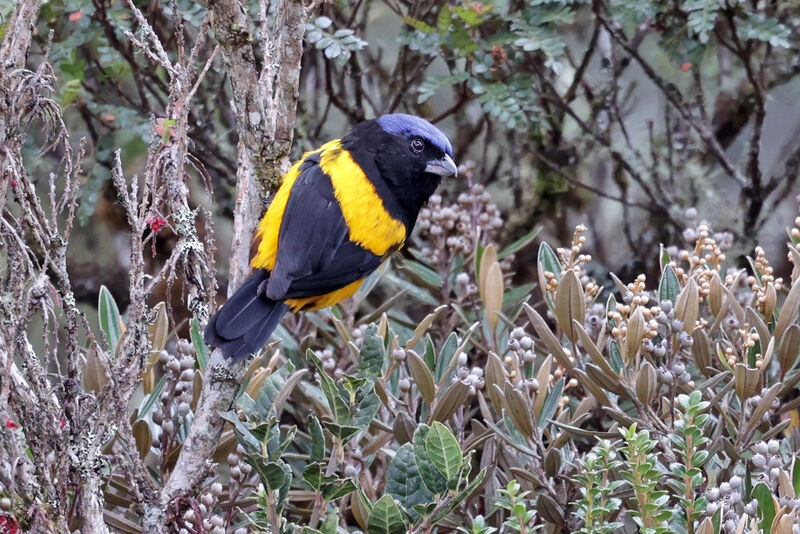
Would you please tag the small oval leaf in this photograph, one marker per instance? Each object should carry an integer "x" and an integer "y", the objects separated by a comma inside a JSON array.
[
  {"x": 444, "y": 451},
  {"x": 423, "y": 378},
  {"x": 570, "y": 304}
]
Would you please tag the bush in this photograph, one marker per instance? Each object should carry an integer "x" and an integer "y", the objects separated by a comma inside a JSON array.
[
  {"x": 447, "y": 395},
  {"x": 662, "y": 409}
]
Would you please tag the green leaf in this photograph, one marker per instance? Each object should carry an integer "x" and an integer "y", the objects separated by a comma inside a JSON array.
[
  {"x": 430, "y": 353},
  {"x": 748, "y": 484},
  {"x": 432, "y": 84},
  {"x": 403, "y": 481},
  {"x": 430, "y": 476},
  {"x": 264, "y": 404},
  {"x": 242, "y": 431},
  {"x": 423, "y": 273},
  {"x": 702, "y": 14},
  {"x": 616, "y": 358},
  {"x": 669, "y": 287},
  {"x": 108, "y": 314},
  {"x": 338, "y": 489},
  {"x": 664, "y": 258},
  {"x": 419, "y": 25},
  {"x": 277, "y": 447},
  {"x": 413, "y": 290},
  {"x": 70, "y": 91},
  {"x": 352, "y": 384},
  {"x": 386, "y": 517},
  {"x": 468, "y": 15},
  {"x": 796, "y": 475},
  {"x": 364, "y": 499},
  {"x": 200, "y": 347},
  {"x": 547, "y": 261},
  {"x": 337, "y": 403},
  {"x": 272, "y": 474},
  {"x": 515, "y": 296},
  {"x": 520, "y": 243},
  {"x": 766, "y": 29},
  {"x": 151, "y": 399},
  {"x": 367, "y": 408},
  {"x": 444, "y": 19},
  {"x": 461, "y": 496},
  {"x": 76, "y": 67},
  {"x": 317, "y": 440},
  {"x": 550, "y": 405},
  {"x": 444, "y": 451},
  {"x": 372, "y": 356},
  {"x": 343, "y": 432},
  {"x": 331, "y": 522},
  {"x": 766, "y": 507},
  {"x": 315, "y": 477},
  {"x": 445, "y": 356},
  {"x": 425, "y": 509},
  {"x": 611, "y": 306}
]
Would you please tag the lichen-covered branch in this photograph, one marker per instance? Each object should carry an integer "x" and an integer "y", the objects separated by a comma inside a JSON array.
[
  {"x": 264, "y": 104},
  {"x": 265, "y": 107},
  {"x": 13, "y": 51}
]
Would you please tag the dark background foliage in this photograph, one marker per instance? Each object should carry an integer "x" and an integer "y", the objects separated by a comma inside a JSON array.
[
  {"x": 623, "y": 115},
  {"x": 474, "y": 381}
]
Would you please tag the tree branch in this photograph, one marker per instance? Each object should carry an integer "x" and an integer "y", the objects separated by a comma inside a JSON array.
[
  {"x": 264, "y": 104},
  {"x": 265, "y": 108},
  {"x": 673, "y": 96}
]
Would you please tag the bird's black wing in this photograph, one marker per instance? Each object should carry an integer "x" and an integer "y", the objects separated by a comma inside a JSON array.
[{"x": 315, "y": 255}]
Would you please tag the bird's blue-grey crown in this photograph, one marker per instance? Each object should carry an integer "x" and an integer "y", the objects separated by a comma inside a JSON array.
[{"x": 409, "y": 125}]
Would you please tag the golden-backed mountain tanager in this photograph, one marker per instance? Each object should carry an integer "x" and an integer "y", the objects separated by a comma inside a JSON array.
[{"x": 340, "y": 211}]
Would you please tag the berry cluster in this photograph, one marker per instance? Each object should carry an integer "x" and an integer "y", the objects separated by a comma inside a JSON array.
[
  {"x": 452, "y": 229},
  {"x": 768, "y": 468},
  {"x": 176, "y": 397},
  {"x": 201, "y": 519},
  {"x": 666, "y": 328},
  {"x": 469, "y": 377},
  {"x": 764, "y": 286},
  {"x": 705, "y": 255},
  {"x": 574, "y": 259}
]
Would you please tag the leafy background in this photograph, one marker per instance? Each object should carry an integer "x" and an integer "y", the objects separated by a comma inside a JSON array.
[{"x": 484, "y": 380}]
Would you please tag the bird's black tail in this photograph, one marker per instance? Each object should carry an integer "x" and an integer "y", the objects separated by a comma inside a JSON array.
[{"x": 246, "y": 321}]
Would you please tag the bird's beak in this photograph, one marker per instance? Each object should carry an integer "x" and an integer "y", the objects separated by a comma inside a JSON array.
[{"x": 444, "y": 167}]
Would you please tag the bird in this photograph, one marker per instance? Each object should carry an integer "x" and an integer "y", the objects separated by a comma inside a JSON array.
[{"x": 340, "y": 211}]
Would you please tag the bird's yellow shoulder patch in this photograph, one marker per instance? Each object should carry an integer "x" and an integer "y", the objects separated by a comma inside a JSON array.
[
  {"x": 266, "y": 235},
  {"x": 370, "y": 225}
]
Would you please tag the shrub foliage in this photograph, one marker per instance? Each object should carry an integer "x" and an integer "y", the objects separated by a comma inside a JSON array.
[{"x": 447, "y": 395}]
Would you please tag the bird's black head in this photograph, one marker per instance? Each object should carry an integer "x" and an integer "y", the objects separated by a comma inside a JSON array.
[
  {"x": 422, "y": 147},
  {"x": 406, "y": 158}
]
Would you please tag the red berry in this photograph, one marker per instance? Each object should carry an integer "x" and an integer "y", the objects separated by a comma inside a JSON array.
[{"x": 8, "y": 525}]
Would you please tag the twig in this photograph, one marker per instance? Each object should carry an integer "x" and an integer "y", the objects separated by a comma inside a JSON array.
[{"x": 673, "y": 96}]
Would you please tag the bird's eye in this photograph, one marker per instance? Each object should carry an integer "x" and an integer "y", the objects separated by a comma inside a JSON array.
[{"x": 417, "y": 145}]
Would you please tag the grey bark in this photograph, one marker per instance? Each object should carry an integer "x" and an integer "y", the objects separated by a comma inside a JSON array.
[{"x": 265, "y": 107}]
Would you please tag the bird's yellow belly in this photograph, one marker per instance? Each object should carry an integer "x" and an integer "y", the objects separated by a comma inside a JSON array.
[{"x": 323, "y": 301}]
